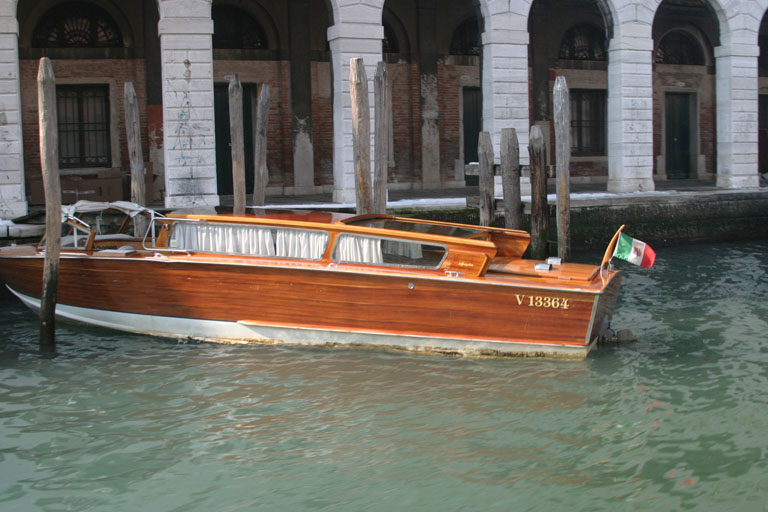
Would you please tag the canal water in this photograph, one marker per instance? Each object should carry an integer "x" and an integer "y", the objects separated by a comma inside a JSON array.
[{"x": 674, "y": 421}]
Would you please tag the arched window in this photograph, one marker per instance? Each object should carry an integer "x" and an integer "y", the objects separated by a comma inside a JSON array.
[
  {"x": 77, "y": 25},
  {"x": 466, "y": 39},
  {"x": 679, "y": 47},
  {"x": 583, "y": 42},
  {"x": 235, "y": 29},
  {"x": 389, "y": 44}
]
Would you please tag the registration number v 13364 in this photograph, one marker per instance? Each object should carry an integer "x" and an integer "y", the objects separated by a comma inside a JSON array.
[{"x": 539, "y": 301}]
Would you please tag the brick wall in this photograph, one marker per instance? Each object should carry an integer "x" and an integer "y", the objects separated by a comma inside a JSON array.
[
  {"x": 322, "y": 123},
  {"x": 406, "y": 123},
  {"x": 114, "y": 72}
]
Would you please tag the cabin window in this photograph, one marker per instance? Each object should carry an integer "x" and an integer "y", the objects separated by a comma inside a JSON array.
[
  {"x": 381, "y": 251},
  {"x": 247, "y": 240},
  {"x": 83, "y": 121}
]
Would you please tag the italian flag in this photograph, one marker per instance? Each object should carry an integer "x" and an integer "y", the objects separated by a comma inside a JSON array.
[{"x": 634, "y": 251}]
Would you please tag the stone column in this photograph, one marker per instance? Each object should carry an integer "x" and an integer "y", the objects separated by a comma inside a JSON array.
[
  {"x": 348, "y": 40},
  {"x": 13, "y": 202},
  {"x": 737, "y": 105},
  {"x": 185, "y": 30},
  {"x": 630, "y": 109},
  {"x": 505, "y": 81}
]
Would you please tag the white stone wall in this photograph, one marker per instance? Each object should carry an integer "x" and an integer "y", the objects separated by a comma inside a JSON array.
[
  {"x": 357, "y": 32},
  {"x": 630, "y": 105},
  {"x": 13, "y": 202},
  {"x": 505, "y": 72},
  {"x": 189, "y": 141}
]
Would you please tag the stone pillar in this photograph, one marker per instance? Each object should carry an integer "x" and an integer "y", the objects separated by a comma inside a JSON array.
[
  {"x": 630, "y": 109},
  {"x": 737, "y": 105},
  {"x": 185, "y": 30},
  {"x": 301, "y": 100},
  {"x": 505, "y": 85},
  {"x": 348, "y": 40},
  {"x": 428, "y": 85},
  {"x": 505, "y": 81},
  {"x": 13, "y": 202}
]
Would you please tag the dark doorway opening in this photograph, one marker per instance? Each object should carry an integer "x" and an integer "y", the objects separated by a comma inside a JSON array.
[
  {"x": 472, "y": 117},
  {"x": 224, "y": 139},
  {"x": 679, "y": 129}
]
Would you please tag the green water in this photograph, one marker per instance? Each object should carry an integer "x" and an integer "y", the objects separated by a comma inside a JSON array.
[{"x": 674, "y": 421}]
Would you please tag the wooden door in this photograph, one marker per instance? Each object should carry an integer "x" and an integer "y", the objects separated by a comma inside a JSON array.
[
  {"x": 223, "y": 137},
  {"x": 678, "y": 135}
]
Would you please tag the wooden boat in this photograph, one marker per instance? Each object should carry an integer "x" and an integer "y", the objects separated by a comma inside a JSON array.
[{"x": 316, "y": 278}]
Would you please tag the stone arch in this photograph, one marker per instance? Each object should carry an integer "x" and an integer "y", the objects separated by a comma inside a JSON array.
[
  {"x": 685, "y": 136},
  {"x": 30, "y": 19}
]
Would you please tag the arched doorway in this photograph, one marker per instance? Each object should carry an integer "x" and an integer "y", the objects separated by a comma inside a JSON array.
[
  {"x": 432, "y": 50},
  {"x": 575, "y": 47},
  {"x": 684, "y": 100}
]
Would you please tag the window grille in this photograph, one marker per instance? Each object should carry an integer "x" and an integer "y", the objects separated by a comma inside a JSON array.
[
  {"x": 680, "y": 48},
  {"x": 466, "y": 39},
  {"x": 234, "y": 29},
  {"x": 83, "y": 121},
  {"x": 77, "y": 25},
  {"x": 587, "y": 122},
  {"x": 583, "y": 42}
]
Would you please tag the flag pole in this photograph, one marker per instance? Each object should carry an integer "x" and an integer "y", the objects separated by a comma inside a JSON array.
[{"x": 609, "y": 251}]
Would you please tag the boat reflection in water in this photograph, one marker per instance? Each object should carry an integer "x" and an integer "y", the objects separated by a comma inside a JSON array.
[{"x": 302, "y": 277}]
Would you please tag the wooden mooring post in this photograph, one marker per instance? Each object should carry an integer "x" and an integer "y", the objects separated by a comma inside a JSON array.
[
  {"x": 135, "y": 155},
  {"x": 49, "y": 160},
  {"x": 261, "y": 174},
  {"x": 539, "y": 211},
  {"x": 361, "y": 134},
  {"x": 381, "y": 138},
  {"x": 235, "y": 91},
  {"x": 562, "y": 108},
  {"x": 485, "y": 156},
  {"x": 510, "y": 178}
]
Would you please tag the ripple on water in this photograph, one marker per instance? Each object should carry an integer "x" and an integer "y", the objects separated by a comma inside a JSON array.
[{"x": 673, "y": 421}]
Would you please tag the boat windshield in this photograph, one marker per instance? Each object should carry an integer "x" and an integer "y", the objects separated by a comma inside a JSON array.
[{"x": 418, "y": 227}]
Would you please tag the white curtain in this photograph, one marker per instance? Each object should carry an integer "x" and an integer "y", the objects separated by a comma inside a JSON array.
[
  {"x": 410, "y": 250},
  {"x": 308, "y": 245},
  {"x": 219, "y": 238},
  {"x": 358, "y": 249}
]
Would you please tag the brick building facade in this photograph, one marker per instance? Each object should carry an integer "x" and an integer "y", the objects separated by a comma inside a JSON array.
[{"x": 659, "y": 90}]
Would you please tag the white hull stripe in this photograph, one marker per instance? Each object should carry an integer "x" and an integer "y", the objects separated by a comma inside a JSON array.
[{"x": 244, "y": 332}]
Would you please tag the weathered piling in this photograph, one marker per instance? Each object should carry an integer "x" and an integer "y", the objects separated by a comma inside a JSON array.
[
  {"x": 261, "y": 174},
  {"x": 237, "y": 145},
  {"x": 361, "y": 134},
  {"x": 49, "y": 160},
  {"x": 510, "y": 178},
  {"x": 135, "y": 155},
  {"x": 485, "y": 156},
  {"x": 562, "y": 107},
  {"x": 381, "y": 138},
  {"x": 539, "y": 211}
]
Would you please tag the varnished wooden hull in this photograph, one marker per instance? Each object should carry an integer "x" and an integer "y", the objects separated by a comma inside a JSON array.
[{"x": 236, "y": 301}]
